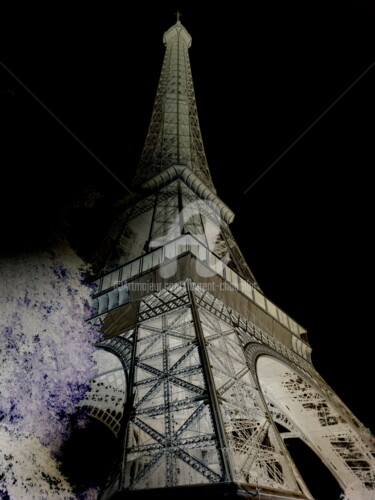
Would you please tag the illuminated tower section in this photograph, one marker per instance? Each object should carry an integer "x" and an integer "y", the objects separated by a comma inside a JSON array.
[{"x": 202, "y": 378}]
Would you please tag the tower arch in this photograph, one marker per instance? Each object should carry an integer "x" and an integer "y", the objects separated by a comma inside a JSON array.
[
  {"x": 105, "y": 400},
  {"x": 299, "y": 400}
]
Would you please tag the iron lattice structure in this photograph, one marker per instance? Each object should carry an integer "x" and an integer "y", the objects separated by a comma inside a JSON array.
[
  {"x": 199, "y": 371},
  {"x": 174, "y": 136}
]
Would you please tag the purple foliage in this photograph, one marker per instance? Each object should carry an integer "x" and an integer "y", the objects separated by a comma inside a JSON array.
[{"x": 46, "y": 349}]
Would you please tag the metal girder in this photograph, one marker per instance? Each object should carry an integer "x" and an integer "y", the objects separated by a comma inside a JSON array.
[
  {"x": 253, "y": 444},
  {"x": 149, "y": 430},
  {"x": 182, "y": 371},
  {"x": 171, "y": 349},
  {"x": 191, "y": 348},
  {"x": 225, "y": 387},
  {"x": 150, "y": 310},
  {"x": 187, "y": 385},
  {"x": 148, "y": 394},
  {"x": 182, "y": 404},
  {"x": 146, "y": 469},
  {"x": 194, "y": 416},
  {"x": 190, "y": 369},
  {"x": 212, "y": 476}
]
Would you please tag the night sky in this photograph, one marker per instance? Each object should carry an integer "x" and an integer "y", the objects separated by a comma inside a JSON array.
[{"x": 262, "y": 76}]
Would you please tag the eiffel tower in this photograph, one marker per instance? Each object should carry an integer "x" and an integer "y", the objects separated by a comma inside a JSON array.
[{"x": 202, "y": 378}]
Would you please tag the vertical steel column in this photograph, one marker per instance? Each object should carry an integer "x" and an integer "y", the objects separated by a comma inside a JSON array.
[
  {"x": 147, "y": 245},
  {"x": 124, "y": 432},
  {"x": 213, "y": 399},
  {"x": 178, "y": 100},
  {"x": 167, "y": 409}
]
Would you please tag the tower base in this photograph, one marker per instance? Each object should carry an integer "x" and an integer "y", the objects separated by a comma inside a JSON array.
[{"x": 226, "y": 491}]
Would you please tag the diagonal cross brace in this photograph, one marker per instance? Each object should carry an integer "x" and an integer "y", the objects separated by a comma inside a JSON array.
[
  {"x": 149, "y": 430},
  {"x": 212, "y": 476}
]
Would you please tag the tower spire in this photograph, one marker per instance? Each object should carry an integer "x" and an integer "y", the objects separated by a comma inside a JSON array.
[{"x": 174, "y": 136}]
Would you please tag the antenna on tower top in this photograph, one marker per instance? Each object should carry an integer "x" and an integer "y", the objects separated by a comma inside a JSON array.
[{"x": 178, "y": 15}]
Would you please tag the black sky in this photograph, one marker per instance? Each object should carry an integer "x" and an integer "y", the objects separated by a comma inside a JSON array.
[{"x": 262, "y": 76}]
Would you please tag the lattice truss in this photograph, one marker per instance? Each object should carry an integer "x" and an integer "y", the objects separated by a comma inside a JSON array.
[
  {"x": 131, "y": 231},
  {"x": 330, "y": 434},
  {"x": 151, "y": 222},
  {"x": 106, "y": 396},
  {"x": 168, "y": 299},
  {"x": 178, "y": 210},
  {"x": 171, "y": 439},
  {"x": 166, "y": 223},
  {"x": 204, "y": 222},
  {"x": 173, "y": 217},
  {"x": 174, "y": 135},
  {"x": 246, "y": 330},
  {"x": 197, "y": 217},
  {"x": 193, "y": 210},
  {"x": 125, "y": 239},
  {"x": 255, "y": 449}
]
